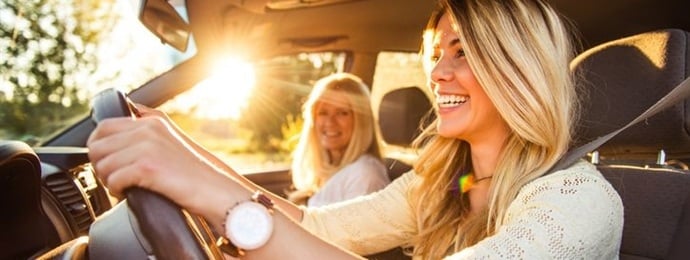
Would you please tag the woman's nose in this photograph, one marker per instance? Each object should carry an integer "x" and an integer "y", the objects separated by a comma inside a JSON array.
[
  {"x": 329, "y": 120},
  {"x": 441, "y": 71}
]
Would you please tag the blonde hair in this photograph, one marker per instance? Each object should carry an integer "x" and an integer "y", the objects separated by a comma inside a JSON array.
[
  {"x": 518, "y": 51},
  {"x": 311, "y": 167}
]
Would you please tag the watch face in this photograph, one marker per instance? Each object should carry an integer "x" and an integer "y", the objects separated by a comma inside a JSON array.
[{"x": 249, "y": 225}]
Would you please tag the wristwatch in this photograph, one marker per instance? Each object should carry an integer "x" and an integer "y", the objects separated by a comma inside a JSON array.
[{"x": 248, "y": 225}]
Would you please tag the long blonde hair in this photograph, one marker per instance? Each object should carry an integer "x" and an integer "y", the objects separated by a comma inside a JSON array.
[
  {"x": 311, "y": 167},
  {"x": 519, "y": 52}
]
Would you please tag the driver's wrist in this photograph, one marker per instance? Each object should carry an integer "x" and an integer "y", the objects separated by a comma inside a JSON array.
[
  {"x": 217, "y": 200},
  {"x": 247, "y": 225}
]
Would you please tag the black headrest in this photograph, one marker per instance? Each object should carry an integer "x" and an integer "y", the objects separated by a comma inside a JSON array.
[
  {"x": 622, "y": 79},
  {"x": 11, "y": 151},
  {"x": 20, "y": 184},
  {"x": 400, "y": 114}
]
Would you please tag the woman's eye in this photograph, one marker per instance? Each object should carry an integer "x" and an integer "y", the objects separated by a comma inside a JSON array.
[
  {"x": 460, "y": 53},
  {"x": 343, "y": 113}
]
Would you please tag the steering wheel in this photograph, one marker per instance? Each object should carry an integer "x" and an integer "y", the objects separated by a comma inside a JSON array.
[{"x": 170, "y": 233}]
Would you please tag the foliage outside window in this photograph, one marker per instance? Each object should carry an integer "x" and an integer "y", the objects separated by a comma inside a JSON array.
[
  {"x": 56, "y": 54},
  {"x": 264, "y": 134}
]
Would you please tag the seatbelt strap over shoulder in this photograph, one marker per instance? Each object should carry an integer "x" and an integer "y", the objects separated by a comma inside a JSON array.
[{"x": 679, "y": 93}]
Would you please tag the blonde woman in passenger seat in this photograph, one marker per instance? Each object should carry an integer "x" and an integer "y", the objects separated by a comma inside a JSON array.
[
  {"x": 338, "y": 155},
  {"x": 506, "y": 106}
]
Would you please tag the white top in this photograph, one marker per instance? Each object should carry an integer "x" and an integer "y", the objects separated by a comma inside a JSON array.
[
  {"x": 363, "y": 176},
  {"x": 570, "y": 214}
]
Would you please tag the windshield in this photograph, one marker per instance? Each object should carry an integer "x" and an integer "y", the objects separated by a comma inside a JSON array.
[{"x": 58, "y": 54}]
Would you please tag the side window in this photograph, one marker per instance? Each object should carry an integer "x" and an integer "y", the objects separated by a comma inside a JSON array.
[
  {"x": 249, "y": 114},
  {"x": 396, "y": 70}
]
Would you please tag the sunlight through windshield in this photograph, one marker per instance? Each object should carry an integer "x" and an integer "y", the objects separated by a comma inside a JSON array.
[{"x": 224, "y": 94}]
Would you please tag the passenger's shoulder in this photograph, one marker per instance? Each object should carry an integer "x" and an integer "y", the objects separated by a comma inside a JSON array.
[
  {"x": 369, "y": 159},
  {"x": 370, "y": 162},
  {"x": 365, "y": 167}
]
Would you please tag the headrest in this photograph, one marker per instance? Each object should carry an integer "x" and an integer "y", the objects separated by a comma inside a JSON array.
[
  {"x": 19, "y": 152},
  {"x": 400, "y": 114},
  {"x": 621, "y": 79},
  {"x": 20, "y": 190}
]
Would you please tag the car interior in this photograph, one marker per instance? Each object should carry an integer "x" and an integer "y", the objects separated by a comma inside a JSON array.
[{"x": 633, "y": 52}]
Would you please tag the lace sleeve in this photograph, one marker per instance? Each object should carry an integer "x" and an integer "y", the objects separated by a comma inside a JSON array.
[
  {"x": 366, "y": 224},
  {"x": 571, "y": 214}
]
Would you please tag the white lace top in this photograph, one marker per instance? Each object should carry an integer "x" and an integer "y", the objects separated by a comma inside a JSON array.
[{"x": 570, "y": 214}]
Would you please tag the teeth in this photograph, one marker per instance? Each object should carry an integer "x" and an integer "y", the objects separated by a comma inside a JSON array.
[
  {"x": 330, "y": 134},
  {"x": 451, "y": 100}
]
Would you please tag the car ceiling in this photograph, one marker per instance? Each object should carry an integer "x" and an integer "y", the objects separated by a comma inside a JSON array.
[
  {"x": 368, "y": 25},
  {"x": 375, "y": 25}
]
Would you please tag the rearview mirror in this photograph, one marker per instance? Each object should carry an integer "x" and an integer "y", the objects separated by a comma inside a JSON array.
[{"x": 162, "y": 19}]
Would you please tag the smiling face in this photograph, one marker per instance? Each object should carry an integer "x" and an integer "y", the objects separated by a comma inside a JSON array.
[
  {"x": 334, "y": 121},
  {"x": 464, "y": 109}
]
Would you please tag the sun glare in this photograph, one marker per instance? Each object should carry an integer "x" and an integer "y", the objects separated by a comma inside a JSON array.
[{"x": 224, "y": 93}]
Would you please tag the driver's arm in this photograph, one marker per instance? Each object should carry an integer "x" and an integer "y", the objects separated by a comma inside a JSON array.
[
  {"x": 148, "y": 153},
  {"x": 288, "y": 207}
]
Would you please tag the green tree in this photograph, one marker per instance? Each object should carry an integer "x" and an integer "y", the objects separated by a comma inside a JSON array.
[{"x": 48, "y": 56}]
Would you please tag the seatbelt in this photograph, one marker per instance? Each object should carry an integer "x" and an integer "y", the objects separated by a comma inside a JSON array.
[{"x": 679, "y": 93}]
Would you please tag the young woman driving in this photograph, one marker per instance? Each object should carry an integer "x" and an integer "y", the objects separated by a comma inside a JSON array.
[{"x": 505, "y": 104}]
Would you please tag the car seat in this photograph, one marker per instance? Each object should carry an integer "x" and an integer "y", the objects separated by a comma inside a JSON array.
[
  {"x": 401, "y": 113},
  {"x": 24, "y": 225},
  {"x": 621, "y": 79}
]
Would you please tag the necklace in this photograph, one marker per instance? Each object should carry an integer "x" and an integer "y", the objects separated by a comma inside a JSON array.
[{"x": 467, "y": 181}]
